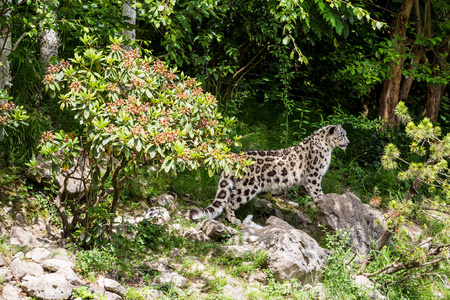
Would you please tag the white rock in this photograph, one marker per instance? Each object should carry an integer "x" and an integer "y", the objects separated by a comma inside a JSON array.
[
  {"x": 6, "y": 275},
  {"x": 2, "y": 260},
  {"x": 54, "y": 264},
  {"x": 173, "y": 278},
  {"x": 21, "y": 268},
  {"x": 291, "y": 252},
  {"x": 157, "y": 215},
  {"x": 112, "y": 296},
  {"x": 10, "y": 292},
  {"x": 38, "y": 254},
  {"x": 233, "y": 292},
  {"x": 113, "y": 286},
  {"x": 70, "y": 275},
  {"x": 215, "y": 229},
  {"x": 48, "y": 287},
  {"x": 18, "y": 236}
]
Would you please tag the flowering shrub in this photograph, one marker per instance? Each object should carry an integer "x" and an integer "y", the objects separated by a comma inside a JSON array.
[
  {"x": 135, "y": 111},
  {"x": 10, "y": 115}
]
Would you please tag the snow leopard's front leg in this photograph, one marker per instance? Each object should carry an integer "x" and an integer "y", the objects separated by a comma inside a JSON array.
[{"x": 314, "y": 186}]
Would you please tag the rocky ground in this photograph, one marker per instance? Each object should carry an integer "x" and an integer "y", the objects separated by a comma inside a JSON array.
[{"x": 42, "y": 269}]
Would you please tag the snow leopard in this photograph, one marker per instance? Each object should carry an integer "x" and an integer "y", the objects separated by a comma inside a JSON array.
[{"x": 274, "y": 170}]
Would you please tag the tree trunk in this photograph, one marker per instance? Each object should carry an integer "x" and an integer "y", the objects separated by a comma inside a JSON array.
[
  {"x": 5, "y": 48},
  {"x": 407, "y": 82},
  {"x": 435, "y": 91},
  {"x": 48, "y": 39},
  {"x": 391, "y": 86},
  {"x": 129, "y": 16}
]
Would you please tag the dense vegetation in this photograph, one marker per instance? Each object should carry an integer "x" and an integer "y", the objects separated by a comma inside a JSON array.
[{"x": 163, "y": 99}]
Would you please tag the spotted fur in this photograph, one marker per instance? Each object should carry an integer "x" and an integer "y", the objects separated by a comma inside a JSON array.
[{"x": 304, "y": 164}]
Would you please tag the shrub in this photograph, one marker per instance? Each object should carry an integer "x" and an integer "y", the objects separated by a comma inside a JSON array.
[
  {"x": 10, "y": 115},
  {"x": 134, "y": 111},
  {"x": 416, "y": 258}
]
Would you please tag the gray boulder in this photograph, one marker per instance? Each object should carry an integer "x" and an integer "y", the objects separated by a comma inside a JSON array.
[
  {"x": 291, "y": 252},
  {"x": 10, "y": 292},
  {"x": 70, "y": 275},
  {"x": 164, "y": 199},
  {"x": 55, "y": 264},
  {"x": 174, "y": 279},
  {"x": 38, "y": 254},
  {"x": 233, "y": 292},
  {"x": 2, "y": 260},
  {"x": 215, "y": 229},
  {"x": 21, "y": 268},
  {"x": 114, "y": 287},
  {"x": 48, "y": 287},
  {"x": 19, "y": 236},
  {"x": 347, "y": 212},
  {"x": 367, "y": 285},
  {"x": 75, "y": 186}
]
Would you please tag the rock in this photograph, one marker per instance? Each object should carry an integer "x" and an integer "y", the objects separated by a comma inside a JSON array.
[
  {"x": 193, "y": 234},
  {"x": 75, "y": 187},
  {"x": 9, "y": 292},
  {"x": 247, "y": 223},
  {"x": 366, "y": 284},
  {"x": 6, "y": 275},
  {"x": 174, "y": 253},
  {"x": 21, "y": 268},
  {"x": 251, "y": 239},
  {"x": 38, "y": 254},
  {"x": 112, "y": 296},
  {"x": 54, "y": 264},
  {"x": 159, "y": 265},
  {"x": 237, "y": 250},
  {"x": 301, "y": 218},
  {"x": 19, "y": 218},
  {"x": 197, "y": 284},
  {"x": 99, "y": 286},
  {"x": 2, "y": 260},
  {"x": 154, "y": 294},
  {"x": 113, "y": 286},
  {"x": 173, "y": 278},
  {"x": 277, "y": 213},
  {"x": 233, "y": 292},
  {"x": 263, "y": 205},
  {"x": 349, "y": 213},
  {"x": 258, "y": 276},
  {"x": 62, "y": 254},
  {"x": 215, "y": 229},
  {"x": 164, "y": 199},
  {"x": 70, "y": 275},
  {"x": 157, "y": 215},
  {"x": 291, "y": 252},
  {"x": 18, "y": 236},
  {"x": 48, "y": 287}
]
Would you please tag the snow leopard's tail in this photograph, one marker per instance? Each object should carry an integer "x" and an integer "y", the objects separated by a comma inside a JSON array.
[{"x": 225, "y": 188}]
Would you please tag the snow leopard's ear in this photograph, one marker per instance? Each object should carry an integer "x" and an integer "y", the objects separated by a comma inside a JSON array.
[{"x": 333, "y": 127}]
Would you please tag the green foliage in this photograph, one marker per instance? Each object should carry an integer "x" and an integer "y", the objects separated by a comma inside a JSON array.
[
  {"x": 336, "y": 277},
  {"x": 415, "y": 258},
  {"x": 95, "y": 261},
  {"x": 151, "y": 236},
  {"x": 432, "y": 150},
  {"x": 10, "y": 115},
  {"x": 244, "y": 263},
  {"x": 83, "y": 293},
  {"x": 134, "y": 111},
  {"x": 215, "y": 285}
]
